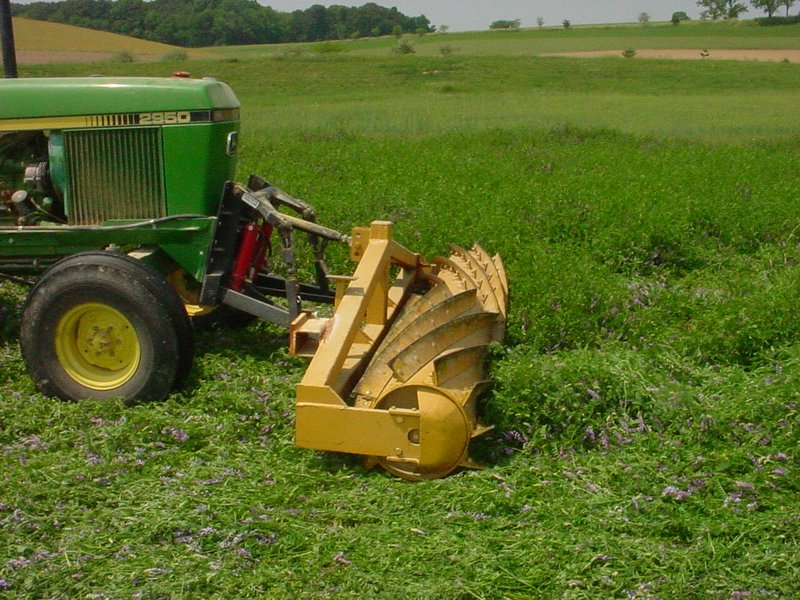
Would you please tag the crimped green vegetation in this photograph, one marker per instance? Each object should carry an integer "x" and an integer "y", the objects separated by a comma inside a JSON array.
[{"x": 646, "y": 398}]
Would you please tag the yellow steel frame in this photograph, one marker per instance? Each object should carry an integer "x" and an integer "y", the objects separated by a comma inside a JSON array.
[{"x": 366, "y": 304}]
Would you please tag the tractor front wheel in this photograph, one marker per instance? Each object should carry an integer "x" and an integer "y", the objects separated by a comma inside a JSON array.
[{"x": 103, "y": 325}]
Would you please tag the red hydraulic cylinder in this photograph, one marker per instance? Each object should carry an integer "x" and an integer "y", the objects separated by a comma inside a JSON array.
[{"x": 251, "y": 253}]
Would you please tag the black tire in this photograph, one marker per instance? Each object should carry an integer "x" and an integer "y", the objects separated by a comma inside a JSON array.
[{"x": 104, "y": 325}]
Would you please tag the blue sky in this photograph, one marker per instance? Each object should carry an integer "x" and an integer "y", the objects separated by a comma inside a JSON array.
[{"x": 467, "y": 15}]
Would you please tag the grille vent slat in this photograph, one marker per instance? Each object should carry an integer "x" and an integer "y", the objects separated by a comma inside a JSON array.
[{"x": 114, "y": 174}]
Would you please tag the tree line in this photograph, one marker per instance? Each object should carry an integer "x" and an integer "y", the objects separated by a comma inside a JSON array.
[
  {"x": 731, "y": 9},
  {"x": 196, "y": 23}
]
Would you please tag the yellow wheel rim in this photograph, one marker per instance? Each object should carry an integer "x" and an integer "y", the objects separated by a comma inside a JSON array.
[{"x": 97, "y": 346}]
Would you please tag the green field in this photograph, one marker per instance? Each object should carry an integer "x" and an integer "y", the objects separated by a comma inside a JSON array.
[
  {"x": 530, "y": 42},
  {"x": 646, "y": 398}
]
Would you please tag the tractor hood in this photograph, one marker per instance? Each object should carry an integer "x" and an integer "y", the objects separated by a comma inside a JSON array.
[{"x": 72, "y": 96}]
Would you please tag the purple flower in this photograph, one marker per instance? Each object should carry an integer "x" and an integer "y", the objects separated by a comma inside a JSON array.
[
  {"x": 733, "y": 498},
  {"x": 640, "y": 426},
  {"x": 592, "y": 394},
  {"x": 516, "y": 436},
  {"x": 179, "y": 434},
  {"x": 19, "y": 563},
  {"x": 212, "y": 481},
  {"x": 621, "y": 439},
  {"x": 340, "y": 559},
  {"x": 778, "y": 472},
  {"x": 183, "y": 537},
  {"x": 672, "y": 492},
  {"x": 590, "y": 435},
  {"x": 602, "y": 558},
  {"x": 4, "y": 585}
]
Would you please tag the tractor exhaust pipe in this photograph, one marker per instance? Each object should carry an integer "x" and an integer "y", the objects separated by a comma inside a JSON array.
[{"x": 7, "y": 37}]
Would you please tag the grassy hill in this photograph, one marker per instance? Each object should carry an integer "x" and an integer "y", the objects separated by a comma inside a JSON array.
[
  {"x": 527, "y": 42},
  {"x": 42, "y": 41},
  {"x": 65, "y": 43}
]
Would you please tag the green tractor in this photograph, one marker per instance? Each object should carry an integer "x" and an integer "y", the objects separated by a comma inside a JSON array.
[{"x": 118, "y": 204}]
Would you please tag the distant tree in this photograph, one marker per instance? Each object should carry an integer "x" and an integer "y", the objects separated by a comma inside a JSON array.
[
  {"x": 505, "y": 24},
  {"x": 444, "y": 28},
  {"x": 735, "y": 9},
  {"x": 314, "y": 24},
  {"x": 721, "y": 9},
  {"x": 566, "y": 24},
  {"x": 644, "y": 18},
  {"x": 712, "y": 9},
  {"x": 193, "y": 23},
  {"x": 679, "y": 16},
  {"x": 540, "y": 22},
  {"x": 768, "y": 6},
  {"x": 788, "y": 4}
]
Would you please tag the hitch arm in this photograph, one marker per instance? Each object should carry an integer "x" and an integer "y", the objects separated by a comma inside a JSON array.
[
  {"x": 280, "y": 198},
  {"x": 318, "y": 237}
]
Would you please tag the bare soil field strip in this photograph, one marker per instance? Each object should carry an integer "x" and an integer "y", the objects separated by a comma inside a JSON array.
[
  {"x": 695, "y": 54},
  {"x": 41, "y": 57},
  {"x": 32, "y": 57}
]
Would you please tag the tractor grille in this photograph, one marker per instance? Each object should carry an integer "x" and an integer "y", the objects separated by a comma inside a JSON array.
[{"x": 114, "y": 174}]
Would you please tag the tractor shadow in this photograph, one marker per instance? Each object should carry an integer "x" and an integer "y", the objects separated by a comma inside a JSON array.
[
  {"x": 12, "y": 300},
  {"x": 234, "y": 350}
]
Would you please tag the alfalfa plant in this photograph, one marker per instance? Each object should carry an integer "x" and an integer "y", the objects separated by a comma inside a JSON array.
[{"x": 404, "y": 46}]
